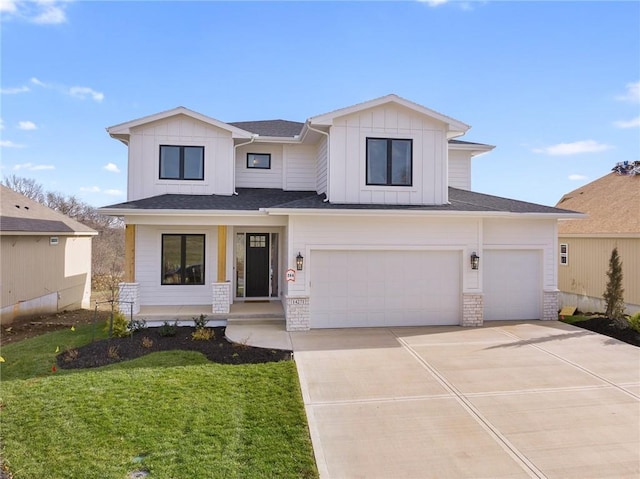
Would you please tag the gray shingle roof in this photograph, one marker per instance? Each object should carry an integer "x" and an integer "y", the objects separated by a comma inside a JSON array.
[
  {"x": 21, "y": 214},
  {"x": 252, "y": 199},
  {"x": 281, "y": 128}
]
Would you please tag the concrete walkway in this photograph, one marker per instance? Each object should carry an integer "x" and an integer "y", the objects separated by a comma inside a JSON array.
[{"x": 508, "y": 400}]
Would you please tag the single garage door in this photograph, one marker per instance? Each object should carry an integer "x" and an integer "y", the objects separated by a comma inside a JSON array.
[
  {"x": 384, "y": 288},
  {"x": 512, "y": 284}
]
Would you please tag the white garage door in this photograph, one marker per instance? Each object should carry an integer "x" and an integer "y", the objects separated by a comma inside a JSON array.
[
  {"x": 512, "y": 284},
  {"x": 384, "y": 288}
]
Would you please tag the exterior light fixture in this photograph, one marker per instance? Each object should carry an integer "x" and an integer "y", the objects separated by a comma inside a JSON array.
[
  {"x": 299, "y": 261},
  {"x": 475, "y": 261}
]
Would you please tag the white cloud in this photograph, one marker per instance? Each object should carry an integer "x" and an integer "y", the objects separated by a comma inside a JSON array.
[
  {"x": 433, "y": 3},
  {"x": 14, "y": 90},
  {"x": 35, "y": 81},
  {"x": 575, "y": 148},
  {"x": 112, "y": 167},
  {"x": 90, "y": 189},
  {"x": 41, "y": 12},
  {"x": 576, "y": 177},
  {"x": 114, "y": 192},
  {"x": 633, "y": 123},
  {"x": 32, "y": 167},
  {"x": 27, "y": 125},
  {"x": 9, "y": 144},
  {"x": 632, "y": 94},
  {"x": 83, "y": 92}
]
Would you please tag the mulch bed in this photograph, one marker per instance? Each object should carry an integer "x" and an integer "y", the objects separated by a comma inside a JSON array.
[
  {"x": 218, "y": 349},
  {"x": 605, "y": 326}
]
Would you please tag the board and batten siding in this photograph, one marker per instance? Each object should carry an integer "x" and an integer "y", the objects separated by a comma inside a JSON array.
[
  {"x": 180, "y": 130},
  {"x": 321, "y": 165},
  {"x": 149, "y": 267},
  {"x": 585, "y": 275},
  {"x": 308, "y": 234},
  {"x": 32, "y": 268},
  {"x": 347, "y": 171},
  {"x": 300, "y": 168},
  {"x": 460, "y": 169},
  {"x": 259, "y": 177},
  {"x": 534, "y": 234}
]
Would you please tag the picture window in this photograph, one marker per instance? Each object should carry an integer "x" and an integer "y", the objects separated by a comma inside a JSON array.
[
  {"x": 389, "y": 161},
  {"x": 183, "y": 259},
  {"x": 181, "y": 162},
  {"x": 259, "y": 160}
]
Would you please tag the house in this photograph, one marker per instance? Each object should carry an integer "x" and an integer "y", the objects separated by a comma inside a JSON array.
[
  {"x": 45, "y": 258},
  {"x": 612, "y": 205},
  {"x": 363, "y": 216}
]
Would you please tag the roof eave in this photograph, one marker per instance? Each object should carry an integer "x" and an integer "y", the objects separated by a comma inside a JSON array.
[
  {"x": 417, "y": 212},
  {"x": 176, "y": 212},
  {"x": 48, "y": 233}
]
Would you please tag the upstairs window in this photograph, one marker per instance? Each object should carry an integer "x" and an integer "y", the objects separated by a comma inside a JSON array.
[
  {"x": 181, "y": 162},
  {"x": 389, "y": 161},
  {"x": 183, "y": 259},
  {"x": 259, "y": 160}
]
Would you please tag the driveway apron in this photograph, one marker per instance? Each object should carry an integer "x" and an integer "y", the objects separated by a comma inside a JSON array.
[{"x": 507, "y": 400}]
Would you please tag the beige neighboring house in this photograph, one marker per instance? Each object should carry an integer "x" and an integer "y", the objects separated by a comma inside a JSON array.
[
  {"x": 612, "y": 205},
  {"x": 45, "y": 258}
]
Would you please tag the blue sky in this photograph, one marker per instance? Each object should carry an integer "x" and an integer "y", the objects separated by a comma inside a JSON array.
[{"x": 554, "y": 85}]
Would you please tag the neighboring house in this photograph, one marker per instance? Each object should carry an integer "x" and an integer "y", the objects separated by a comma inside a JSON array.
[
  {"x": 612, "y": 205},
  {"x": 45, "y": 258},
  {"x": 358, "y": 217}
]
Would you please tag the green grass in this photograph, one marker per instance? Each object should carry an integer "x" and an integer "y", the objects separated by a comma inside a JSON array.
[
  {"x": 173, "y": 414},
  {"x": 575, "y": 319}
]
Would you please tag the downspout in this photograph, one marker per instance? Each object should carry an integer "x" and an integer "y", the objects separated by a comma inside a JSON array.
[
  {"x": 328, "y": 157},
  {"x": 235, "y": 150}
]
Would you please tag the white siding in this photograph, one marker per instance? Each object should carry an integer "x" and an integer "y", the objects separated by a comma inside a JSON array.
[
  {"x": 460, "y": 169},
  {"x": 300, "y": 168},
  {"x": 148, "y": 267},
  {"x": 321, "y": 166},
  {"x": 256, "y": 177},
  {"x": 144, "y": 158},
  {"x": 347, "y": 171},
  {"x": 308, "y": 234}
]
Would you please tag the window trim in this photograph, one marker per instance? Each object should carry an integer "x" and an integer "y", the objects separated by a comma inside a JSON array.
[
  {"x": 564, "y": 256},
  {"x": 389, "y": 183},
  {"x": 181, "y": 165},
  {"x": 183, "y": 257},
  {"x": 249, "y": 166}
]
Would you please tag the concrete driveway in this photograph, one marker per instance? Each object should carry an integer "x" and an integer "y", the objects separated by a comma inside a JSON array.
[{"x": 525, "y": 399}]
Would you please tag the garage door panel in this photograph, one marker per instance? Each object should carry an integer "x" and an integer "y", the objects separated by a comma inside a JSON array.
[
  {"x": 385, "y": 288},
  {"x": 512, "y": 284}
]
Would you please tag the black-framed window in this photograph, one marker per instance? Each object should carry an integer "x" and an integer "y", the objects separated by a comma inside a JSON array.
[
  {"x": 564, "y": 254},
  {"x": 259, "y": 160},
  {"x": 181, "y": 162},
  {"x": 389, "y": 161},
  {"x": 183, "y": 259}
]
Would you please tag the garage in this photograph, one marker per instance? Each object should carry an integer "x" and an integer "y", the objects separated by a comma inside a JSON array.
[
  {"x": 384, "y": 288},
  {"x": 512, "y": 284}
]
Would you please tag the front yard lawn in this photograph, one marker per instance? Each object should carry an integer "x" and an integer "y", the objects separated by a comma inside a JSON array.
[{"x": 170, "y": 414}]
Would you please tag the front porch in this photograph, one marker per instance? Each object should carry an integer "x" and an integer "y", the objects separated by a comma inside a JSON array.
[{"x": 238, "y": 312}]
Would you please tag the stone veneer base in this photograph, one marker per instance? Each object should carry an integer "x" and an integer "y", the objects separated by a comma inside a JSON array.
[
  {"x": 221, "y": 298},
  {"x": 297, "y": 314},
  {"x": 472, "y": 309}
]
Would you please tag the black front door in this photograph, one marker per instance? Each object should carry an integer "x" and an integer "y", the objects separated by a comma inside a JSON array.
[{"x": 257, "y": 265}]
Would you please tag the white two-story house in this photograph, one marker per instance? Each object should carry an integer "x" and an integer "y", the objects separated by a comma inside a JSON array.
[{"x": 358, "y": 217}]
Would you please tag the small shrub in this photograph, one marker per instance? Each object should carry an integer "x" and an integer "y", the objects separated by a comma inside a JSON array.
[
  {"x": 136, "y": 325},
  {"x": 113, "y": 352},
  {"x": 201, "y": 321},
  {"x": 634, "y": 321},
  {"x": 147, "y": 342},
  {"x": 167, "y": 329},
  {"x": 70, "y": 355},
  {"x": 120, "y": 326},
  {"x": 202, "y": 334}
]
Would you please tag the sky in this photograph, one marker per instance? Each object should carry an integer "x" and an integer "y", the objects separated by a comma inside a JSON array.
[{"x": 555, "y": 86}]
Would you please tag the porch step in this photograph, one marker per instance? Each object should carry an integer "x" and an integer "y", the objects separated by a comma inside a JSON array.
[{"x": 250, "y": 321}]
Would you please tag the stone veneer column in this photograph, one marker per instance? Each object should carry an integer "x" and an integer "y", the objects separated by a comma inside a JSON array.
[
  {"x": 472, "y": 309},
  {"x": 297, "y": 313},
  {"x": 128, "y": 294},
  {"x": 221, "y": 297},
  {"x": 550, "y": 305}
]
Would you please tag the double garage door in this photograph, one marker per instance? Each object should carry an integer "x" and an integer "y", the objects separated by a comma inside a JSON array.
[{"x": 385, "y": 288}]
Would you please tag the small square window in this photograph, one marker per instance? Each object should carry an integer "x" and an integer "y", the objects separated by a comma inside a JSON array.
[
  {"x": 389, "y": 161},
  {"x": 259, "y": 160},
  {"x": 564, "y": 254}
]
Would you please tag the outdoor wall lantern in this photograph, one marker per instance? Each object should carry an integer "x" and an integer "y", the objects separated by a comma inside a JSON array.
[
  {"x": 299, "y": 261},
  {"x": 475, "y": 261}
]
